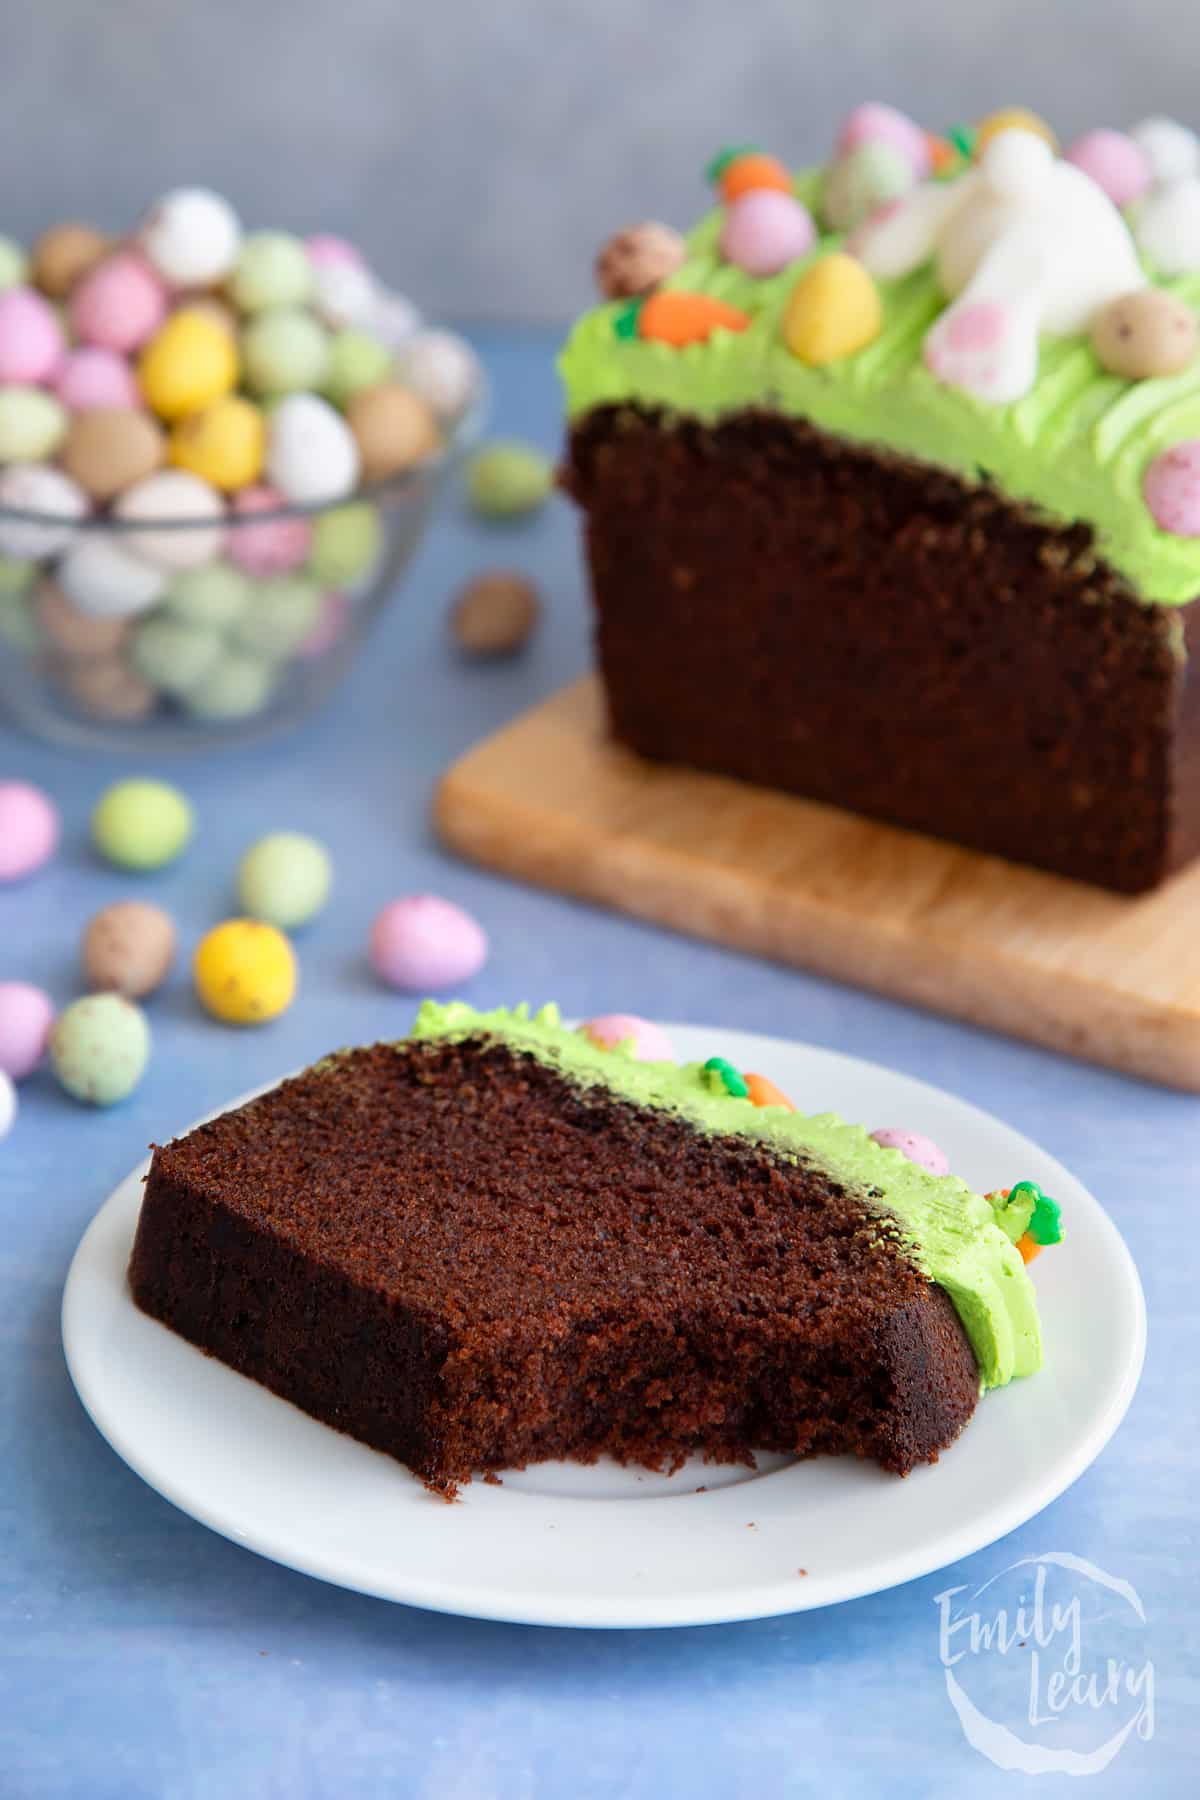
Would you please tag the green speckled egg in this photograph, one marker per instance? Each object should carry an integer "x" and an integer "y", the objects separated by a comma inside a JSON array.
[
  {"x": 140, "y": 824},
  {"x": 345, "y": 544},
  {"x": 279, "y": 617},
  {"x": 236, "y": 687},
  {"x": 173, "y": 655},
  {"x": 32, "y": 424},
  {"x": 284, "y": 350},
  {"x": 284, "y": 878},
  {"x": 861, "y": 182},
  {"x": 273, "y": 269},
  {"x": 215, "y": 596},
  {"x": 99, "y": 1048},
  {"x": 13, "y": 264},
  {"x": 356, "y": 361},
  {"x": 507, "y": 478}
]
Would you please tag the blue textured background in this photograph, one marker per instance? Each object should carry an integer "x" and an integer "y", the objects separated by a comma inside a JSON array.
[
  {"x": 143, "y": 1658},
  {"x": 483, "y": 151}
]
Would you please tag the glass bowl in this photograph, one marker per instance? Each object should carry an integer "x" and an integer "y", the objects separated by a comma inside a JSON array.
[{"x": 199, "y": 636}]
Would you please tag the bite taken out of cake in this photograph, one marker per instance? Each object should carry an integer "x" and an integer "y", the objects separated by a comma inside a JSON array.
[
  {"x": 890, "y": 479},
  {"x": 500, "y": 1241}
]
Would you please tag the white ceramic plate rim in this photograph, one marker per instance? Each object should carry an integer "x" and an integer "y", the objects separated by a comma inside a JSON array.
[{"x": 96, "y": 1303}]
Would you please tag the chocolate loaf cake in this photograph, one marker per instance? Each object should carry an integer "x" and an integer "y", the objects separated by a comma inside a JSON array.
[
  {"x": 913, "y": 530},
  {"x": 496, "y": 1243}
]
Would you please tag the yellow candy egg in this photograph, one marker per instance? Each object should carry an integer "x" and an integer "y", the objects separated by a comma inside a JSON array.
[
  {"x": 225, "y": 444},
  {"x": 1011, "y": 118},
  {"x": 834, "y": 310},
  {"x": 245, "y": 972},
  {"x": 188, "y": 363}
]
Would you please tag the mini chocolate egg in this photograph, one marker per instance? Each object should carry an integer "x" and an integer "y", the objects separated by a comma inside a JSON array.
[
  {"x": 188, "y": 363},
  {"x": 635, "y": 260},
  {"x": 72, "y": 634},
  {"x": 312, "y": 454},
  {"x": 1167, "y": 227},
  {"x": 191, "y": 236},
  {"x": 245, "y": 972},
  {"x": 59, "y": 502},
  {"x": 174, "y": 655},
  {"x": 283, "y": 612},
  {"x": 128, "y": 949},
  {"x": 141, "y": 824},
  {"x": 1144, "y": 334},
  {"x": 110, "y": 448},
  {"x": 225, "y": 444},
  {"x": 99, "y": 576},
  {"x": 32, "y": 424},
  {"x": 1172, "y": 150},
  {"x": 192, "y": 514},
  {"x": 834, "y": 310},
  {"x": 31, "y": 337},
  {"x": 119, "y": 303},
  {"x": 356, "y": 360},
  {"x": 284, "y": 350},
  {"x": 443, "y": 369},
  {"x": 423, "y": 944},
  {"x": 237, "y": 687},
  {"x": 91, "y": 378},
  {"x": 394, "y": 429},
  {"x": 858, "y": 184},
  {"x": 266, "y": 545},
  {"x": 107, "y": 689},
  {"x": 285, "y": 879},
  {"x": 29, "y": 829},
  {"x": 344, "y": 293},
  {"x": 272, "y": 269},
  {"x": 26, "y": 1015},
  {"x": 506, "y": 478},
  {"x": 14, "y": 265},
  {"x": 99, "y": 1047},
  {"x": 65, "y": 253},
  {"x": 765, "y": 230},
  {"x": 495, "y": 614},
  {"x": 346, "y": 541},
  {"x": 214, "y": 596}
]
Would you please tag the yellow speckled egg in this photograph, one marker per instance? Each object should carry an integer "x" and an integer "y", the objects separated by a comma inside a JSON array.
[
  {"x": 1011, "y": 118},
  {"x": 225, "y": 444},
  {"x": 245, "y": 972},
  {"x": 188, "y": 363},
  {"x": 834, "y": 310}
]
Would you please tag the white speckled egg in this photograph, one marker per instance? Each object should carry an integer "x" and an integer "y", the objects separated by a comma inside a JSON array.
[
  {"x": 311, "y": 453},
  {"x": 100, "y": 577},
  {"x": 34, "y": 488},
  {"x": 174, "y": 495},
  {"x": 192, "y": 237},
  {"x": 344, "y": 293},
  {"x": 442, "y": 368}
]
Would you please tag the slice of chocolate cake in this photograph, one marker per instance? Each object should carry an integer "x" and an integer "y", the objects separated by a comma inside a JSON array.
[{"x": 496, "y": 1243}]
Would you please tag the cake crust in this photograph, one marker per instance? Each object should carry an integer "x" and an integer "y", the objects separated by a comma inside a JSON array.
[{"x": 453, "y": 1253}]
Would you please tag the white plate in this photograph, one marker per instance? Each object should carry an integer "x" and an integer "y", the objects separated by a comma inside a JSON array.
[{"x": 561, "y": 1544}]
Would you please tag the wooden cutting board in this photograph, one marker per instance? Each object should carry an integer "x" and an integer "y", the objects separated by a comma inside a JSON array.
[{"x": 552, "y": 801}]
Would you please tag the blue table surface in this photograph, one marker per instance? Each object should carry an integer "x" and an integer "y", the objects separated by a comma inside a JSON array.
[{"x": 144, "y": 1656}]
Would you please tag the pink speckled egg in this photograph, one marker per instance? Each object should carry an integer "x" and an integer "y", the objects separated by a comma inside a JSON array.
[
  {"x": 647, "y": 1042},
  {"x": 28, "y": 829},
  {"x": 26, "y": 1015},
  {"x": 1171, "y": 489},
  {"x": 423, "y": 944},
  {"x": 920, "y": 1150},
  {"x": 31, "y": 337},
  {"x": 765, "y": 230},
  {"x": 875, "y": 123},
  {"x": 326, "y": 250},
  {"x": 119, "y": 304},
  {"x": 1114, "y": 162},
  {"x": 91, "y": 378},
  {"x": 275, "y": 545},
  {"x": 329, "y": 629}
]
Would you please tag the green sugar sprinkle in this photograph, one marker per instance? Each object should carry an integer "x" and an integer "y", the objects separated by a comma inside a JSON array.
[{"x": 730, "y": 1079}]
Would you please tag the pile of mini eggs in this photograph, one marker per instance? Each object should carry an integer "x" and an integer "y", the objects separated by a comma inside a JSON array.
[
  {"x": 192, "y": 420},
  {"x": 244, "y": 970}
]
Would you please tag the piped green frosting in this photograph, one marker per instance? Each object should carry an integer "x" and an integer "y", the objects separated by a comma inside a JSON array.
[
  {"x": 1076, "y": 446},
  {"x": 950, "y": 1232}
]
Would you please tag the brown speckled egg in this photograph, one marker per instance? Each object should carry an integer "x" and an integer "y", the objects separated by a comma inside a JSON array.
[
  {"x": 393, "y": 428},
  {"x": 63, "y": 254},
  {"x": 73, "y": 634},
  {"x": 128, "y": 948},
  {"x": 107, "y": 450},
  {"x": 1146, "y": 333},
  {"x": 107, "y": 689},
  {"x": 635, "y": 260},
  {"x": 495, "y": 614}
]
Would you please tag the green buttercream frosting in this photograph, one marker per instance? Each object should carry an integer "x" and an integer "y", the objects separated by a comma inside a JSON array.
[
  {"x": 1076, "y": 446},
  {"x": 950, "y": 1232}
]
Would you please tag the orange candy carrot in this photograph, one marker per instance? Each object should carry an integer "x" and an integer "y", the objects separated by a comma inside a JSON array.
[
  {"x": 942, "y": 153},
  {"x": 764, "y": 1093},
  {"x": 752, "y": 169},
  {"x": 672, "y": 316},
  {"x": 1029, "y": 1247}
]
